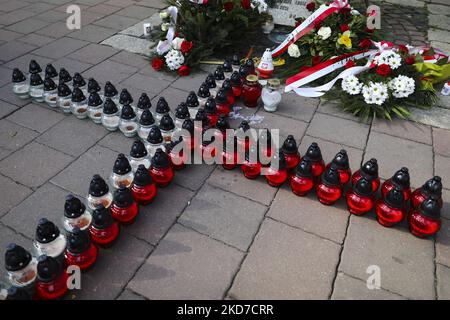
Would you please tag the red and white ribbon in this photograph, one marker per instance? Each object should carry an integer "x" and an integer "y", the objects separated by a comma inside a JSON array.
[{"x": 309, "y": 23}]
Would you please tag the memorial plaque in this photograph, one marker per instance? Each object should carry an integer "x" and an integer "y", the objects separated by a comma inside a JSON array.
[{"x": 284, "y": 12}]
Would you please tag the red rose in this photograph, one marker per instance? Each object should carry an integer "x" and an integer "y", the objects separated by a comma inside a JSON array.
[
  {"x": 383, "y": 70},
  {"x": 184, "y": 71},
  {"x": 365, "y": 43},
  {"x": 317, "y": 25},
  {"x": 344, "y": 27},
  {"x": 311, "y": 6},
  {"x": 245, "y": 4},
  {"x": 186, "y": 46},
  {"x": 402, "y": 48},
  {"x": 349, "y": 64},
  {"x": 157, "y": 63},
  {"x": 410, "y": 59},
  {"x": 316, "y": 60},
  {"x": 345, "y": 11},
  {"x": 228, "y": 6},
  {"x": 303, "y": 68}
]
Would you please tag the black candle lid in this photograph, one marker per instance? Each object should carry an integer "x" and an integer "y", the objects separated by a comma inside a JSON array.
[
  {"x": 94, "y": 100},
  {"x": 101, "y": 217},
  {"x": 252, "y": 154},
  {"x": 203, "y": 117},
  {"x": 249, "y": 64},
  {"x": 433, "y": 186},
  {"x": 188, "y": 125},
  {"x": 279, "y": 157},
  {"x": 34, "y": 67},
  {"x": 121, "y": 165},
  {"x": 203, "y": 91},
  {"x": 110, "y": 90},
  {"x": 144, "y": 102},
  {"x": 138, "y": 149},
  {"x": 78, "y": 241},
  {"x": 166, "y": 123},
  {"x": 363, "y": 187},
  {"x": 35, "y": 79},
  {"x": 123, "y": 198},
  {"x": 222, "y": 123},
  {"x": 227, "y": 65},
  {"x": 341, "y": 160},
  {"x": 182, "y": 111},
  {"x": 127, "y": 112},
  {"x": 125, "y": 97},
  {"x": 210, "y": 106},
  {"x": 48, "y": 268},
  {"x": 243, "y": 71},
  {"x": 146, "y": 118},
  {"x": 78, "y": 95},
  {"x": 235, "y": 78},
  {"x": 235, "y": 61},
  {"x": 210, "y": 81},
  {"x": 93, "y": 86},
  {"x": 98, "y": 186},
  {"x": 109, "y": 107},
  {"x": 401, "y": 178},
  {"x": 395, "y": 198},
  {"x": 226, "y": 85},
  {"x": 64, "y": 76},
  {"x": 244, "y": 126},
  {"x": 221, "y": 96},
  {"x": 78, "y": 80},
  {"x": 218, "y": 73},
  {"x": 46, "y": 231},
  {"x": 73, "y": 207},
  {"x": 50, "y": 71},
  {"x": 370, "y": 169},
  {"x": 314, "y": 153},
  {"x": 430, "y": 207},
  {"x": 63, "y": 90},
  {"x": 17, "y": 294},
  {"x": 16, "y": 257},
  {"x": 18, "y": 76},
  {"x": 290, "y": 145},
  {"x": 162, "y": 106},
  {"x": 160, "y": 159},
  {"x": 304, "y": 169},
  {"x": 154, "y": 135},
  {"x": 49, "y": 84},
  {"x": 142, "y": 176},
  {"x": 192, "y": 100},
  {"x": 331, "y": 177}
]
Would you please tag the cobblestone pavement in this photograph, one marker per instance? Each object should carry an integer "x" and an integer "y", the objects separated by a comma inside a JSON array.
[{"x": 212, "y": 234}]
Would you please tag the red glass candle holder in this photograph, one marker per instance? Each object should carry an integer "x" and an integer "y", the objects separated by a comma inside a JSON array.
[
  {"x": 341, "y": 162},
  {"x": 229, "y": 91},
  {"x": 426, "y": 220},
  {"x": 51, "y": 283},
  {"x": 80, "y": 250},
  {"x": 208, "y": 151},
  {"x": 251, "y": 170},
  {"x": 236, "y": 84},
  {"x": 276, "y": 175},
  {"x": 432, "y": 186},
  {"x": 160, "y": 169},
  {"x": 187, "y": 134},
  {"x": 360, "y": 198},
  {"x": 399, "y": 179},
  {"x": 302, "y": 181},
  {"x": 391, "y": 210},
  {"x": 124, "y": 209},
  {"x": 329, "y": 189},
  {"x": 369, "y": 171},
  {"x": 104, "y": 230},
  {"x": 314, "y": 156},
  {"x": 251, "y": 91},
  {"x": 290, "y": 151},
  {"x": 178, "y": 159}
]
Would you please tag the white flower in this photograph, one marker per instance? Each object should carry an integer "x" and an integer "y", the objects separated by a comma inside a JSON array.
[
  {"x": 354, "y": 12},
  {"x": 163, "y": 47},
  {"x": 174, "y": 59},
  {"x": 351, "y": 85},
  {"x": 324, "y": 32},
  {"x": 402, "y": 86},
  {"x": 164, "y": 26},
  {"x": 390, "y": 58},
  {"x": 163, "y": 14},
  {"x": 176, "y": 43},
  {"x": 294, "y": 51},
  {"x": 375, "y": 93}
]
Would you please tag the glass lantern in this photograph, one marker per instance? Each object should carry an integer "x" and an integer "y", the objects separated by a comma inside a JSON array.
[
  {"x": 95, "y": 107},
  {"x": 79, "y": 106},
  {"x": 21, "y": 86},
  {"x": 127, "y": 123},
  {"x": 50, "y": 93},
  {"x": 110, "y": 115}
]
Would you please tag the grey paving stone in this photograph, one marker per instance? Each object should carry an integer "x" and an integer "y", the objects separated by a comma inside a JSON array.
[
  {"x": 285, "y": 125},
  {"x": 224, "y": 216},
  {"x": 7, "y": 95},
  {"x": 15, "y": 16},
  {"x": 36, "y": 39},
  {"x": 339, "y": 130},
  {"x": 168, "y": 76},
  {"x": 138, "y": 29},
  {"x": 172, "y": 96},
  {"x": 92, "y": 33},
  {"x": 406, "y": 262},
  {"x": 146, "y": 84},
  {"x": 12, "y": 5},
  {"x": 329, "y": 150},
  {"x": 403, "y": 129},
  {"x": 445, "y": 212},
  {"x": 36, "y": 170},
  {"x": 443, "y": 243},
  {"x": 444, "y": 46},
  {"x": 7, "y": 35},
  {"x": 438, "y": 35},
  {"x": 77, "y": 176},
  {"x": 39, "y": 7},
  {"x": 131, "y": 59},
  {"x": 73, "y": 136},
  {"x": 441, "y": 139},
  {"x": 155, "y": 219},
  {"x": 137, "y": 12},
  {"x": 117, "y": 22},
  {"x": 6, "y": 108},
  {"x": 393, "y": 153},
  {"x": 234, "y": 181},
  {"x": 93, "y": 53},
  {"x": 334, "y": 109},
  {"x": 117, "y": 141},
  {"x": 55, "y": 30},
  {"x": 113, "y": 269},
  {"x": 120, "y": 3},
  {"x": 35, "y": 117},
  {"x": 23, "y": 62},
  {"x": 89, "y": 17},
  {"x": 310, "y": 215},
  {"x": 241, "y": 112},
  {"x": 12, "y": 194},
  {"x": 187, "y": 265},
  {"x": 110, "y": 71},
  {"x": 104, "y": 9},
  {"x": 71, "y": 65},
  {"x": 297, "y": 107},
  {"x": 129, "y": 43},
  {"x": 45, "y": 202},
  {"x": 443, "y": 282},
  {"x": 28, "y": 25},
  {"x": 190, "y": 82},
  {"x": 438, "y": 21},
  {"x": 13, "y": 137},
  {"x": 130, "y": 295},
  {"x": 442, "y": 168},
  {"x": 153, "y": 3},
  {"x": 348, "y": 288},
  {"x": 273, "y": 270},
  {"x": 60, "y": 48},
  {"x": 52, "y": 16},
  {"x": 193, "y": 176},
  {"x": 14, "y": 49}
]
